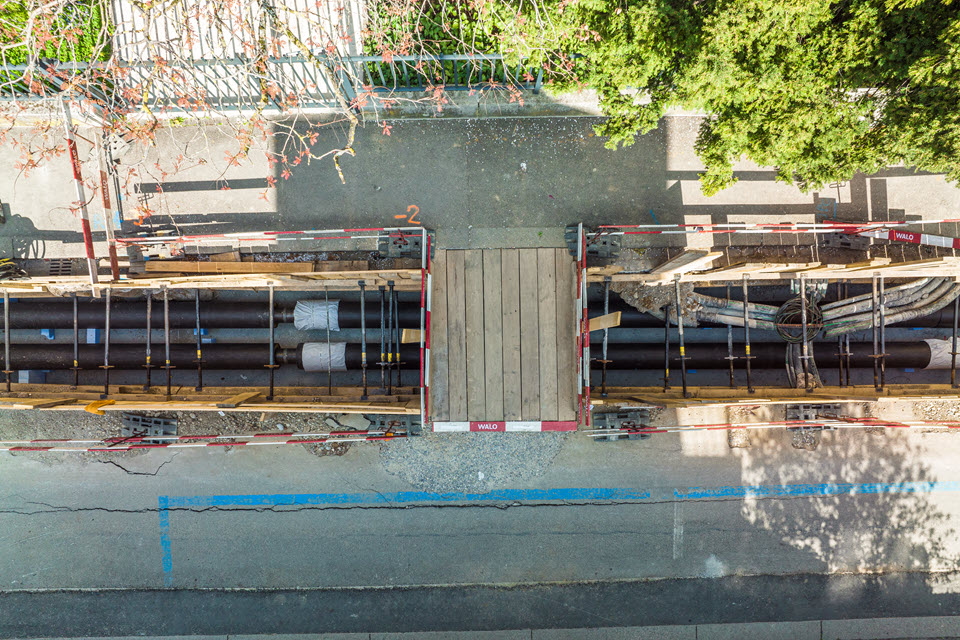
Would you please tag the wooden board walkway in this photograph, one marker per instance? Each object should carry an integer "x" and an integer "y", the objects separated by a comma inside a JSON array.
[{"x": 503, "y": 329}]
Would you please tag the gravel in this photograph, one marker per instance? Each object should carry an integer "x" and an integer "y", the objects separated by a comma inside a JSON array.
[{"x": 474, "y": 462}]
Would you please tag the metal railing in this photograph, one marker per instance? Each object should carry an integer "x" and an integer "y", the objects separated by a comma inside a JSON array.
[{"x": 230, "y": 84}]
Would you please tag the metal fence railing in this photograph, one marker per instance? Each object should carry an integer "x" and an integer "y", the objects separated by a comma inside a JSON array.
[{"x": 232, "y": 84}]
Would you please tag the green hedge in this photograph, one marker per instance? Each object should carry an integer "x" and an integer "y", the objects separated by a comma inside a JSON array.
[{"x": 88, "y": 14}]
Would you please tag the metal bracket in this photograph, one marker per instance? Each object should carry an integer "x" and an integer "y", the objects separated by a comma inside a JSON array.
[
  {"x": 631, "y": 421},
  {"x": 396, "y": 245},
  {"x": 410, "y": 424},
  {"x": 600, "y": 247},
  {"x": 137, "y": 426},
  {"x": 811, "y": 412}
]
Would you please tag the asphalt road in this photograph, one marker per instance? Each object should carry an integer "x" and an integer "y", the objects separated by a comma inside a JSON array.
[{"x": 596, "y": 519}]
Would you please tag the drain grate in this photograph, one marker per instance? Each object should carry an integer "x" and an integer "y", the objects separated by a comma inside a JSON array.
[{"x": 57, "y": 267}]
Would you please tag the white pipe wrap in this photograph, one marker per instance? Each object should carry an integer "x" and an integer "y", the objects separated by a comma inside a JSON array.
[
  {"x": 939, "y": 354},
  {"x": 310, "y": 315},
  {"x": 315, "y": 356}
]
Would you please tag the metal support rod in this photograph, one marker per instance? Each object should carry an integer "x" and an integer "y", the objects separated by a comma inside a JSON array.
[
  {"x": 840, "y": 296},
  {"x": 746, "y": 333},
  {"x": 76, "y": 344},
  {"x": 603, "y": 362},
  {"x": 383, "y": 350},
  {"x": 166, "y": 335},
  {"x": 106, "y": 345},
  {"x": 683, "y": 353},
  {"x": 805, "y": 352},
  {"x": 847, "y": 356},
  {"x": 730, "y": 356},
  {"x": 326, "y": 304},
  {"x": 396, "y": 329},
  {"x": 199, "y": 386},
  {"x": 363, "y": 336},
  {"x": 272, "y": 366},
  {"x": 953, "y": 352},
  {"x": 148, "y": 365},
  {"x": 666, "y": 347},
  {"x": 6, "y": 337},
  {"x": 390, "y": 340},
  {"x": 876, "y": 344},
  {"x": 883, "y": 336}
]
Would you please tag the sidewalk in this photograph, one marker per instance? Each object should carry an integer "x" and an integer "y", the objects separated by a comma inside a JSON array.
[
  {"x": 475, "y": 181},
  {"x": 931, "y": 628}
]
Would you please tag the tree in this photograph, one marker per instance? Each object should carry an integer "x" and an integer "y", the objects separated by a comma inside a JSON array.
[{"x": 817, "y": 89}]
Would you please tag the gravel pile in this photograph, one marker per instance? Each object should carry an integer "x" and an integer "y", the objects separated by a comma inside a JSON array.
[{"x": 474, "y": 462}]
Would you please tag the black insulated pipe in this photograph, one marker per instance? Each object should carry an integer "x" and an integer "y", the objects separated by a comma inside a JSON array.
[
  {"x": 30, "y": 314},
  {"x": 222, "y": 356}
]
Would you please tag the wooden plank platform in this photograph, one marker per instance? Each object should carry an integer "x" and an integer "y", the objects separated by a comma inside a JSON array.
[{"x": 503, "y": 331}]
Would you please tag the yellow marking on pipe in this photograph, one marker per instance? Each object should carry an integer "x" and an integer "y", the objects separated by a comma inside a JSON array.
[{"x": 748, "y": 349}]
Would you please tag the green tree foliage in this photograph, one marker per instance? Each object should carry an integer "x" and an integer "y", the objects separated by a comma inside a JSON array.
[
  {"x": 65, "y": 31},
  {"x": 817, "y": 89}
]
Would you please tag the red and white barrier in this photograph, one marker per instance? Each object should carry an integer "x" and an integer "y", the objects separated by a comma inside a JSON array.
[
  {"x": 830, "y": 423},
  {"x": 504, "y": 426},
  {"x": 192, "y": 442},
  {"x": 912, "y": 237}
]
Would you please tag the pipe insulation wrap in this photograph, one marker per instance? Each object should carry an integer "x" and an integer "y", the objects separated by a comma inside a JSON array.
[
  {"x": 320, "y": 356},
  {"x": 940, "y": 357},
  {"x": 311, "y": 315}
]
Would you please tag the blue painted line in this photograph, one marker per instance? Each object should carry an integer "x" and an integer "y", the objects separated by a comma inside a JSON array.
[
  {"x": 653, "y": 215},
  {"x": 814, "y": 490},
  {"x": 407, "y": 497},
  {"x": 166, "y": 549},
  {"x": 530, "y": 495}
]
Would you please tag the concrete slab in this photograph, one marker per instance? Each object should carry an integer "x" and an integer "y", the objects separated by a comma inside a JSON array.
[
  {"x": 939, "y": 627},
  {"x": 454, "y": 635},
  {"x": 803, "y": 630},
  {"x": 679, "y": 632}
]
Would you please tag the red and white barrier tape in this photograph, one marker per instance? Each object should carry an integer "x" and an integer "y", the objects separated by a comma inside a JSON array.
[
  {"x": 834, "y": 423},
  {"x": 249, "y": 236},
  {"x": 177, "y": 442},
  {"x": 912, "y": 237},
  {"x": 508, "y": 425},
  {"x": 763, "y": 227}
]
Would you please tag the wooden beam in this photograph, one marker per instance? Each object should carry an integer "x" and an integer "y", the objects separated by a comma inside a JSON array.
[
  {"x": 37, "y": 403},
  {"x": 183, "y": 266},
  {"x": 604, "y": 322},
  {"x": 410, "y": 336},
  {"x": 237, "y": 400},
  {"x": 690, "y": 260}
]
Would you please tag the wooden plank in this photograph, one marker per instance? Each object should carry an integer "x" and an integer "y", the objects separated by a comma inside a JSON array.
[
  {"x": 547, "y": 318},
  {"x": 493, "y": 334},
  {"x": 566, "y": 336},
  {"x": 473, "y": 285},
  {"x": 510, "y": 303},
  {"x": 409, "y": 336},
  {"x": 456, "y": 337},
  {"x": 690, "y": 260},
  {"x": 183, "y": 266},
  {"x": 604, "y": 322},
  {"x": 529, "y": 337},
  {"x": 340, "y": 265},
  {"x": 439, "y": 380},
  {"x": 238, "y": 399},
  {"x": 227, "y": 256},
  {"x": 38, "y": 403}
]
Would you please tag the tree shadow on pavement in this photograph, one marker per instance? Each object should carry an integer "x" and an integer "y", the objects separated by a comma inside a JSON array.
[{"x": 854, "y": 512}]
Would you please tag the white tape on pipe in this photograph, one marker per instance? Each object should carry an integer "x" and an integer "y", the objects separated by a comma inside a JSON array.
[
  {"x": 939, "y": 354},
  {"x": 310, "y": 315},
  {"x": 316, "y": 356}
]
